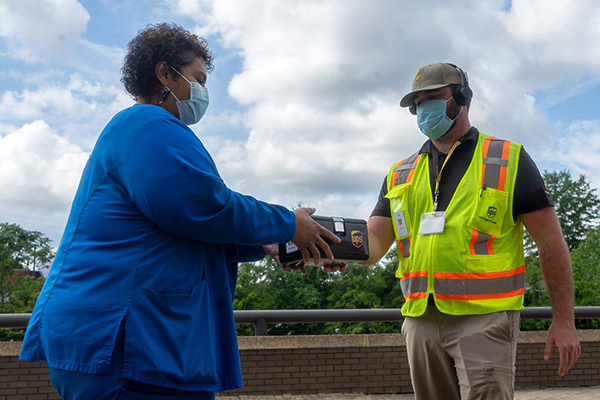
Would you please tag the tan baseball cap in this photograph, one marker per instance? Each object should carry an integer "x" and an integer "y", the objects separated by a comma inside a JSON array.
[{"x": 430, "y": 77}]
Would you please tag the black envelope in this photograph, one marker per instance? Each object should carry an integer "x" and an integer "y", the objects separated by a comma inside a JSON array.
[{"x": 353, "y": 248}]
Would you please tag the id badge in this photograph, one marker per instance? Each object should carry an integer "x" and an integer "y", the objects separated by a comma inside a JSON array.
[
  {"x": 432, "y": 223},
  {"x": 400, "y": 222}
]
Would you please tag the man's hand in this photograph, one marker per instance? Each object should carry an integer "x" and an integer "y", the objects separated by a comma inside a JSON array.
[
  {"x": 563, "y": 335},
  {"x": 273, "y": 251},
  {"x": 309, "y": 236},
  {"x": 334, "y": 267}
]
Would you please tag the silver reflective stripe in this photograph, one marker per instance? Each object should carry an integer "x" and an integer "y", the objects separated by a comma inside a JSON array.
[
  {"x": 479, "y": 286},
  {"x": 414, "y": 285},
  {"x": 495, "y": 161},
  {"x": 480, "y": 246},
  {"x": 405, "y": 247},
  {"x": 491, "y": 178},
  {"x": 495, "y": 148},
  {"x": 405, "y": 168}
]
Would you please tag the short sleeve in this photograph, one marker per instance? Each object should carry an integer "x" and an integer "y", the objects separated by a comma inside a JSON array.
[
  {"x": 531, "y": 193},
  {"x": 174, "y": 182},
  {"x": 382, "y": 207}
]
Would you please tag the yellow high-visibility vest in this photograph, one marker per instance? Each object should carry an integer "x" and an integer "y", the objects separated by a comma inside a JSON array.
[{"x": 476, "y": 266}]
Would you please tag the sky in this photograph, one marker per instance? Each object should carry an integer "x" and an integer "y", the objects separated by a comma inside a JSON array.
[{"x": 304, "y": 95}]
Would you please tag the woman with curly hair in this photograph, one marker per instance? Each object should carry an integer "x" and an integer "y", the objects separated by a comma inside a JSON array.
[{"x": 138, "y": 302}]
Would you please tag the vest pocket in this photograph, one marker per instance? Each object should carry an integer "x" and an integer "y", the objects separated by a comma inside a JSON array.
[
  {"x": 403, "y": 267},
  {"x": 477, "y": 264},
  {"x": 489, "y": 211},
  {"x": 401, "y": 217}
]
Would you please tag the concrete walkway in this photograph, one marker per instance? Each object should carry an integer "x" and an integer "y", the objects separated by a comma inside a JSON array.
[{"x": 538, "y": 394}]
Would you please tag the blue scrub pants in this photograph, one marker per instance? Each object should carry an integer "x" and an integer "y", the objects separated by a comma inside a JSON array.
[{"x": 78, "y": 386}]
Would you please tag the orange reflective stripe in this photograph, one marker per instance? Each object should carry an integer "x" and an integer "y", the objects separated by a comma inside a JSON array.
[
  {"x": 490, "y": 247},
  {"x": 404, "y": 247},
  {"x": 502, "y": 179},
  {"x": 396, "y": 173},
  {"x": 415, "y": 274},
  {"x": 404, "y": 170},
  {"x": 418, "y": 295},
  {"x": 495, "y": 161},
  {"x": 486, "y": 147},
  {"x": 412, "y": 171},
  {"x": 482, "y": 275},
  {"x": 505, "y": 150},
  {"x": 474, "y": 238},
  {"x": 476, "y": 245},
  {"x": 469, "y": 297}
]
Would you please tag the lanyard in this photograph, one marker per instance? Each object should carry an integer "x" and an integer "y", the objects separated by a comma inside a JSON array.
[{"x": 439, "y": 177}]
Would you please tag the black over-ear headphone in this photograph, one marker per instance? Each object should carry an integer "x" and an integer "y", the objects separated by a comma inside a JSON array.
[{"x": 462, "y": 94}]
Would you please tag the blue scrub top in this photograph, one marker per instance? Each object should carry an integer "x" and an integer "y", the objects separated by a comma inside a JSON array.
[{"x": 152, "y": 242}]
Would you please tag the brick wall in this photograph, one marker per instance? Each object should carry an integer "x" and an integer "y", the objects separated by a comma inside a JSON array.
[
  {"x": 325, "y": 370},
  {"x": 377, "y": 364},
  {"x": 25, "y": 381},
  {"x": 371, "y": 364}
]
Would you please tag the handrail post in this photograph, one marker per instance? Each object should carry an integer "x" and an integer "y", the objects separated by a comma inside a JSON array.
[{"x": 261, "y": 327}]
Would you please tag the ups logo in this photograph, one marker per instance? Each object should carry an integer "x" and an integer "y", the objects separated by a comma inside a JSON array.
[
  {"x": 357, "y": 239},
  {"x": 419, "y": 75},
  {"x": 491, "y": 212}
]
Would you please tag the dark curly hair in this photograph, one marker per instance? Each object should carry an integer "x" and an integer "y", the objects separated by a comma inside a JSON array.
[{"x": 160, "y": 42}]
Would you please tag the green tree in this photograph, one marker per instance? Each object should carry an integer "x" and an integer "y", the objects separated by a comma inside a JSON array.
[
  {"x": 367, "y": 287},
  {"x": 20, "y": 249},
  {"x": 586, "y": 276},
  {"x": 578, "y": 210},
  {"x": 577, "y": 205},
  {"x": 21, "y": 300},
  {"x": 264, "y": 286}
]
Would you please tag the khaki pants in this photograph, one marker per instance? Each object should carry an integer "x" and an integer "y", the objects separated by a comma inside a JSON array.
[{"x": 462, "y": 357}]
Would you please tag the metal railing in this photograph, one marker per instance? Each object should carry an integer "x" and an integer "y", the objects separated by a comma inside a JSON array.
[{"x": 262, "y": 318}]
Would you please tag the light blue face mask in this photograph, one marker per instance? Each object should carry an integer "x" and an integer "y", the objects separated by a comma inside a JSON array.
[
  {"x": 432, "y": 118},
  {"x": 193, "y": 109}
]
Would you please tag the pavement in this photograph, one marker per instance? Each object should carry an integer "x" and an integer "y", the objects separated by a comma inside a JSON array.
[{"x": 576, "y": 393}]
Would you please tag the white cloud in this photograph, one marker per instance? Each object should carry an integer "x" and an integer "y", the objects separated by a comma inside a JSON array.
[
  {"x": 569, "y": 91},
  {"x": 77, "y": 107},
  {"x": 42, "y": 27},
  {"x": 578, "y": 150},
  {"x": 319, "y": 86},
  {"x": 51, "y": 32},
  {"x": 39, "y": 173},
  {"x": 321, "y": 80},
  {"x": 560, "y": 33}
]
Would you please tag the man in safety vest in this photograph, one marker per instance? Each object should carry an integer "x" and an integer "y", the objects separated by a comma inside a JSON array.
[{"x": 456, "y": 209}]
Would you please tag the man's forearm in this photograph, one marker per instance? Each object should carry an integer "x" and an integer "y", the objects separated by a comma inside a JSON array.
[
  {"x": 555, "y": 263},
  {"x": 381, "y": 237},
  {"x": 376, "y": 250},
  {"x": 556, "y": 267}
]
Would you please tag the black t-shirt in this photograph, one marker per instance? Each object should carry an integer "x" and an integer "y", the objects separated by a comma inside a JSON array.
[{"x": 530, "y": 190}]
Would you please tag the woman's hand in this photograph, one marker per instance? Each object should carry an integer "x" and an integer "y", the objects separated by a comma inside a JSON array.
[{"x": 309, "y": 236}]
